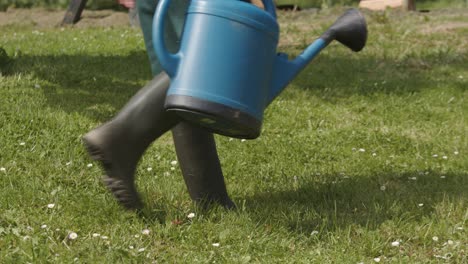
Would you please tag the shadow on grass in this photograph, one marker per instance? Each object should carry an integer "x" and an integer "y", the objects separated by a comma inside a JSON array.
[
  {"x": 339, "y": 73},
  {"x": 339, "y": 204},
  {"x": 96, "y": 86}
]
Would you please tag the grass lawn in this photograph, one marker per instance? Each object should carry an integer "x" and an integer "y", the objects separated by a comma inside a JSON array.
[{"x": 363, "y": 158}]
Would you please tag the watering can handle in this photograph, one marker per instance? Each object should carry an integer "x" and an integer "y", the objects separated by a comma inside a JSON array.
[
  {"x": 168, "y": 60},
  {"x": 270, "y": 7}
]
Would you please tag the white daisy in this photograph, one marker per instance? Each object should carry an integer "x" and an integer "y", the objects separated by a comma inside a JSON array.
[{"x": 72, "y": 236}]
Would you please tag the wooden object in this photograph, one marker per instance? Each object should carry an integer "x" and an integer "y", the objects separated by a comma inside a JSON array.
[
  {"x": 383, "y": 4},
  {"x": 409, "y": 5},
  {"x": 74, "y": 11}
]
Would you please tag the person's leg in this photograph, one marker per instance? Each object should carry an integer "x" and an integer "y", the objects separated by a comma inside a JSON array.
[
  {"x": 119, "y": 144},
  {"x": 173, "y": 27},
  {"x": 195, "y": 147},
  {"x": 199, "y": 162}
]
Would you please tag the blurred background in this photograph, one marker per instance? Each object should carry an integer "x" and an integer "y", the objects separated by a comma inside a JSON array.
[{"x": 303, "y": 4}]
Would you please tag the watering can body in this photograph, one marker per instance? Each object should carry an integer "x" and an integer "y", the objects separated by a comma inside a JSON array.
[
  {"x": 221, "y": 76},
  {"x": 227, "y": 70}
]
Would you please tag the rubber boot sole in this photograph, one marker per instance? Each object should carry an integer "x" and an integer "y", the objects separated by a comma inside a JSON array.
[{"x": 122, "y": 188}]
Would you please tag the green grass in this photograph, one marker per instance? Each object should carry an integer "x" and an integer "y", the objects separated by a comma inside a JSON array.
[
  {"x": 420, "y": 4},
  {"x": 90, "y": 4},
  {"x": 345, "y": 164}
]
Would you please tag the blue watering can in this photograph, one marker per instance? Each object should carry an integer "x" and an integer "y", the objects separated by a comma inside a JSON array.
[{"x": 227, "y": 70}]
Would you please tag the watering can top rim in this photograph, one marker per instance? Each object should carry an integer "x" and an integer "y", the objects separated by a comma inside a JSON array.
[{"x": 239, "y": 11}]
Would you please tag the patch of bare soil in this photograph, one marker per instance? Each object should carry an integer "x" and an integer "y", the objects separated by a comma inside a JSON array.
[
  {"x": 45, "y": 18},
  {"x": 445, "y": 27}
]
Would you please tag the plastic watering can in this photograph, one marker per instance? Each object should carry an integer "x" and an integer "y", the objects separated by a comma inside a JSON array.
[{"x": 227, "y": 70}]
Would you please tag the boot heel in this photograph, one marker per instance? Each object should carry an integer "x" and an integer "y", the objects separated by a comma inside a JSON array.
[
  {"x": 93, "y": 151},
  {"x": 122, "y": 188},
  {"x": 125, "y": 195}
]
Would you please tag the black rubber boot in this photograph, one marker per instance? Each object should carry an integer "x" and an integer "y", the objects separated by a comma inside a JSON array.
[
  {"x": 199, "y": 162},
  {"x": 119, "y": 144},
  {"x": 195, "y": 148}
]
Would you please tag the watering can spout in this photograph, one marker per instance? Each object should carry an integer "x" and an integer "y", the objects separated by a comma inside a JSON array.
[
  {"x": 350, "y": 30},
  {"x": 285, "y": 70},
  {"x": 232, "y": 101}
]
